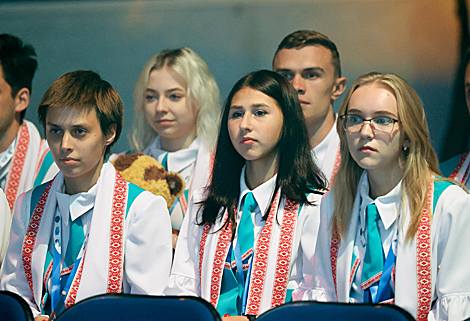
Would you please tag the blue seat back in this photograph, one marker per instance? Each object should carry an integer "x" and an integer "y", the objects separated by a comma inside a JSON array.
[
  {"x": 322, "y": 311},
  {"x": 13, "y": 307},
  {"x": 127, "y": 307}
]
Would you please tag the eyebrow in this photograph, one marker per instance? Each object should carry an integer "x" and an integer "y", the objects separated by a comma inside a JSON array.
[
  {"x": 317, "y": 69},
  {"x": 378, "y": 112},
  {"x": 259, "y": 105},
  {"x": 73, "y": 126},
  {"x": 167, "y": 91}
]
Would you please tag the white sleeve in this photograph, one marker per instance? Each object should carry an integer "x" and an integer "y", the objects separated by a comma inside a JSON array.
[
  {"x": 148, "y": 247},
  {"x": 452, "y": 289},
  {"x": 184, "y": 278},
  {"x": 13, "y": 277},
  {"x": 317, "y": 281},
  {"x": 5, "y": 224}
]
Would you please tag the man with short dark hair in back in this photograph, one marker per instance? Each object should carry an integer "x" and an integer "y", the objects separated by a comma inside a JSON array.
[
  {"x": 310, "y": 60},
  {"x": 24, "y": 158}
]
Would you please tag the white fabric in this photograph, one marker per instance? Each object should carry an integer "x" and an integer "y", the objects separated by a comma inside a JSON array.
[
  {"x": 193, "y": 164},
  {"x": 5, "y": 222},
  {"x": 184, "y": 279},
  {"x": 387, "y": 207},
  {"x": 147, "y": 244},
  {"x": 449, "y": 262},
  {"x": 36, "y": 152},
  {"x": 324, "y": 154},
  {"x": 5, "y": 163}
]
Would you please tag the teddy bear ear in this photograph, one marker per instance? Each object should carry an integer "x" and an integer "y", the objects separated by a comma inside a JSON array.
[
  {"x": 125, "y": 161},
  {"x": 175, "y": 183}
]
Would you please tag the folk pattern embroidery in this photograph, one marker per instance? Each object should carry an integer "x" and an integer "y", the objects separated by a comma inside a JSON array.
[
  {"x": 335, "y": 166},
  {"x": 423, "y": 259},
  {"x": 202, "y": 244},
  {"x": 116, "y": 250},
  {"x": 72, "y": 295},
  {"x": 454, "y": 174},
  {"x": 334, "y": 255},
  {"x": 284, "y": 254},
  {"x": 30, "y": 237},
  {"x": 260, "y": 262},
  {"x": 14, "y": 178}
]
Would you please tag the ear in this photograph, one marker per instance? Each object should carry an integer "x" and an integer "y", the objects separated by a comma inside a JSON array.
[
  {"x": 111, "y": 134},
  {"x": 21, "y": 100},
  {"x": 340, "y": 86}
]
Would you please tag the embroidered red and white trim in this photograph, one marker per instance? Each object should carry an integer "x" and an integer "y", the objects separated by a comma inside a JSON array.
[
  {"x": 19, "y": 158},
  {"x": 335, "y": 166},
  {"x": 116, "y": 245},
  {"x": 455, "y": 172},
  {"x": 31, "y": 234}
]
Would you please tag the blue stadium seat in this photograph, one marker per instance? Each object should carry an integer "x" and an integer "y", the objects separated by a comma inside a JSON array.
[
  {"x": 127, "y": 307},
  {"x": 322, "y": 311},
  {"x": 13, "y": 307}
]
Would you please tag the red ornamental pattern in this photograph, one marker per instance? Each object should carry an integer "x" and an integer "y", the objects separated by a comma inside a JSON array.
[
  {"x": 454, "y": 174},
  {"x": 202, "y": 244},
  {"x": 335, "y": 166},
  {"x": 116, "y": 250},
  {"x": 72, "y": 295},
  {"x": 260, "y": 262},
  {"x": 284, "y": 255},
  {"x": 223, "y": 245},
  {"x": 334, "y": 246},
  {"x": 423, "y": 259},
  {"x": 353, "y": 271},
  {"x": 31, "y": 234},
  {"x": 14, "y": 178}
]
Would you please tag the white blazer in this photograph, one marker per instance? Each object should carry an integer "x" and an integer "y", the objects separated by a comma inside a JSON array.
[
  {"x": 146, "y": 239},
  {"x": 450, "y": 263}
]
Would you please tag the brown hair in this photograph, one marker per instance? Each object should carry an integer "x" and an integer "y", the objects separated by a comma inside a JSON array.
[
  {"x": 304, "y": 38},
  {"x": 83, "y": 89}
]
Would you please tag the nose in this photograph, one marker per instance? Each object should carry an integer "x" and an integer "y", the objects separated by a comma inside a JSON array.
[
  {"x": 367, "y": 129},
  {"x": 67, "y": 142},
  {"x": 299, "y": 84},
  {"x": 245, "y": 124},
  {"x": 161, "y": 105}
]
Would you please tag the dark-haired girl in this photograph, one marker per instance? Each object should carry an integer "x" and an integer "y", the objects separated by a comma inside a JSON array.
[{"x": 239, "y": 246}]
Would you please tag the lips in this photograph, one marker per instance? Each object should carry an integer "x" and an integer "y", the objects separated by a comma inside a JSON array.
[
  {"x": 247, "y": 140},
  {"x": 304, "y": 102},
  {"x": 69, "y": 161},
  {"x": 367, "y": 149},
  {"x": 164, "y": 122}
]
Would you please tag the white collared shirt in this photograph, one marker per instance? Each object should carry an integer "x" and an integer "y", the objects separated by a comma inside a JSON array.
[
  {"x": 324, "y": 154},
  {"x": 73, "y": 207},
  {"x": 5, "y": 163},
  {"x": 182, "y": 161},
  {"x": 387, "y": 207},
  {"x": 262, "y": 195}
]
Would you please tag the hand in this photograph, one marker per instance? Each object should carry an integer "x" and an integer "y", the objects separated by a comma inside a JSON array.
[
  {"x": 235, "y": 318},
  {"x": 41, "y": 318}
]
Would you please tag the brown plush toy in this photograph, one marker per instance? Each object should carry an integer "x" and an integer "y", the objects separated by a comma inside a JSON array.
[{"x": 147, "y": 173}]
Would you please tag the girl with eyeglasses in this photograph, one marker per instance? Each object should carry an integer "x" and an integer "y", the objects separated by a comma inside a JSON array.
[
  {"x": 391, "y": 229},
  {"x": 239, "y": 246}
]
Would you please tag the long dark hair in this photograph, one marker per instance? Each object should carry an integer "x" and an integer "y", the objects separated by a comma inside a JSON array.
[{"x": 297, "y": 173}]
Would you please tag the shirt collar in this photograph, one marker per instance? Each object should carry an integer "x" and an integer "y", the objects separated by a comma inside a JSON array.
[
  {"x": 77, "y": 204},
  {"x": 177, "y": 161},
  {"x": 6, "y": 156},
  {"x": 320, "y": 150},
  {"x": 387, "y": 205},
  {"x": 262, "y": 193}
]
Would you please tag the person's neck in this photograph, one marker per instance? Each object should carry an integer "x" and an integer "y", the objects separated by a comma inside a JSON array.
[
  {"x": 75, "y": 185},
  {"x": 173, "y": 145},
  {"x": 381, "y": 182},
  {"x": 318, "y": 131},
  {"x": 259, "y": 172},
  {"x": 8, "y": 135}
]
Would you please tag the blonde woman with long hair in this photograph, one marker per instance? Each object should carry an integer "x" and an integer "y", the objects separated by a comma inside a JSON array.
[
  {"x": 176, "y": 113},
  {"x": 391, "y": 228}
]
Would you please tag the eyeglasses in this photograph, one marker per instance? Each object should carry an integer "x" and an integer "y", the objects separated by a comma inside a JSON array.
[{"x": 353, "y": 123}]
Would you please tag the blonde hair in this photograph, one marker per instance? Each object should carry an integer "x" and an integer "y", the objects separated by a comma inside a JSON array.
[
  {"x": 419, "y": 161},
  {"x": 202, "y": 92}
]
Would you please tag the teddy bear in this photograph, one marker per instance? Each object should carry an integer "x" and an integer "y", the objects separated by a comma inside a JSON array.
[{"x": 147, "y": 173}]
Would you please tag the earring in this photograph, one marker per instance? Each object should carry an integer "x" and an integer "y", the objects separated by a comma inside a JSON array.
[{"x": 405, "y": 148}]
